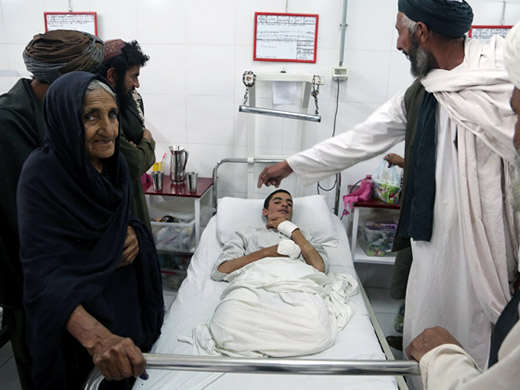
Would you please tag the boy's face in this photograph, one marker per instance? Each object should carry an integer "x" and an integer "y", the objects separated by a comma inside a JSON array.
[{"x": 280, "y": 206}]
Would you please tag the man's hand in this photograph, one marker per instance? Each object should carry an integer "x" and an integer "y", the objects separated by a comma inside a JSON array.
[
  {"x": 274, "y": 224},
  {"x": 117, "y": 357},
  {"x": 274, "y": 174},
  {"x": 131, "y": 248},
  {"x": 427, "y": 340},
  {"x": 394, "y": 159},
  {"x": 147, "y": 134}
]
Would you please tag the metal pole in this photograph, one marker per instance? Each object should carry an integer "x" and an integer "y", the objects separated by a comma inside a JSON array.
[
  {"x": 343, "y": 32},
  {"x": 278, "y": 113},
  {"x": 272, "y": 366}
]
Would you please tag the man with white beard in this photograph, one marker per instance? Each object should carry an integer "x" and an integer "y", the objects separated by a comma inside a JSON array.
[
  {"x": 457, "y": 125},
  {"x": 444, "y": 364}
]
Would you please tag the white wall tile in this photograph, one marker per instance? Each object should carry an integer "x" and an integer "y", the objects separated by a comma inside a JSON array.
[
  {"x": 245, "y": 11},
  {"x": 116, "y": 19},
  {"x": 192, "y": 85},
  {"x": 162, "y": 21},
  {"x": 204, "y": 28},
  {"x": 166, "y": 117},
  {"x": 489, "y": 12},
  {"x": 210, "y": 70},
  {"x": 330, "y": 14},
  {"x": 156, "y": 77},
  {"x": 368, "y": 76},
  {"x": 6, "y": 83},
  {"x": 218, "y": 130},
  {"x": 21, "y": 24},
  {"x": 399, "y": 73},
  {"x": 369, "y": 30},
  {"x": 14, "y": 56},
  {"x": 203, "y": 158},
  {"x": 242, "y": 122},
  {"x": 63, "y": 6},
  {"x": 4, "y": 62}
]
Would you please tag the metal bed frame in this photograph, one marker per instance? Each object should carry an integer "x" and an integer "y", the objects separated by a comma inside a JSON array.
[{"x": 389, "y": 367}]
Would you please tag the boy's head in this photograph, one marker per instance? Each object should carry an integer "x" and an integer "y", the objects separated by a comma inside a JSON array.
[{"x": 277, "y": 205}]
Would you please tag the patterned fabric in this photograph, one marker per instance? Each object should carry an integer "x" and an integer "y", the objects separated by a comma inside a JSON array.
[{"x": 50, "y": 55}]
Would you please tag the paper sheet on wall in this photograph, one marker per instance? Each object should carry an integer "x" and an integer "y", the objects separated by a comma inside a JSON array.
[{"x": 285, "y": 92}]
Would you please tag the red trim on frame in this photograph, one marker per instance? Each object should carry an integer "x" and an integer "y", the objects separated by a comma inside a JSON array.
[
  {"x": 255, "y": 58},
  {"x": 482, "y": 26},
  {"x": 71, "y": 13}
]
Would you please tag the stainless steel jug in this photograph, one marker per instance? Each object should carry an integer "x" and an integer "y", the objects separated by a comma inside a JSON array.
[{"x": 179, "y": 158}]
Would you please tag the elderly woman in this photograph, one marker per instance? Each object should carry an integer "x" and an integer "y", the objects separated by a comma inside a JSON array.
[{"x": 85, "y": 301}]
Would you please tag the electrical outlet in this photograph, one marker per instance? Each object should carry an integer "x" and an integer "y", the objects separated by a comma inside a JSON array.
[{"x": 339, "y": 73}]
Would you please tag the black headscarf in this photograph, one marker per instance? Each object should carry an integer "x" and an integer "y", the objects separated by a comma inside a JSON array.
[
  {"x": 73, "y": 223},
  {"x": 447, "y": 17}
]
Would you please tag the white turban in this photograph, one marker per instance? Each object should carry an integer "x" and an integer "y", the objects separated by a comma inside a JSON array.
[{"x": 512, "y": 55}]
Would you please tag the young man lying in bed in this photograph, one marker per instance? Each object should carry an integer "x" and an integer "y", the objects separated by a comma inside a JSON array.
[
  {"x": 280, "y": 301},
  {"x": 280, "y": 238}
]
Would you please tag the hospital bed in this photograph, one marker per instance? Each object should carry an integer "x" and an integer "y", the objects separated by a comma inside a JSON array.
[{"x": 359, "y": 359}]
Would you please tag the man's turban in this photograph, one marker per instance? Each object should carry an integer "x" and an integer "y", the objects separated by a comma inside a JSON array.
[
  {"x": 57, "y": 52},
  {"x": 512, "y": 55},
  {"x": 451, "y": 18}
]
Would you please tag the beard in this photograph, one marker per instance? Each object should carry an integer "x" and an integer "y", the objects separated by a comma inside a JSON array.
[
  {"x": 123, "y": 95},
  {"x": 421, "y": 60}
]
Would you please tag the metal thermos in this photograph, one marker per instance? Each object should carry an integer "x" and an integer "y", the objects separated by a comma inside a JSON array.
[{"x": 179, "y": 158}]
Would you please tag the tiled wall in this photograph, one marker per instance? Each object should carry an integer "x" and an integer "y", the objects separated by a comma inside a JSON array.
[{"x": 199, "y": 49}]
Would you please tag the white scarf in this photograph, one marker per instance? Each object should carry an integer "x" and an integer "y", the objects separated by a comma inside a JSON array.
[{"x": 476, "y": 97}]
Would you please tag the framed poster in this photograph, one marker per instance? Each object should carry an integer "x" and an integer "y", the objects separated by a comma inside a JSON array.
[
  {"x": 486, "y": 32},
  {"x": 80, "y": 21},
  {"x": 285, "y": 37}
]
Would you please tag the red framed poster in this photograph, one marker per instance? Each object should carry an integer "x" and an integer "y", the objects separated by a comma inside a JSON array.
[
  {"x": 80, "y": 21},
  {"x": 486, "y": 32},
  {"x": 285, "y": 37}
]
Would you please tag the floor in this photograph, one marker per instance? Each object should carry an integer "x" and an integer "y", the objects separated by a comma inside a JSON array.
[{"x": 375, "y": 279}]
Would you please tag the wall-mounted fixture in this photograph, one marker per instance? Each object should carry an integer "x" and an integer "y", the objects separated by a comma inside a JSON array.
[{"x": 312, "y": 88}]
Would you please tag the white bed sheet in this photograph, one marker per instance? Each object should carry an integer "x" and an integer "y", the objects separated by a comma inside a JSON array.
[{"x": 195, "y": 303}]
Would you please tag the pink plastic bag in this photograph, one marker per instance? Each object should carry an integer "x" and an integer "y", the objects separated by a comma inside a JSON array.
[
  {"x": 364, "y": 192},
  {"x": 146, "y": 180}
]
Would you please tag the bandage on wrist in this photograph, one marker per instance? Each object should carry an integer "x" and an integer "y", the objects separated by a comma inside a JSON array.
[
  {"x": 288, "y": 248},
  {"x": 286, "y": 228}
]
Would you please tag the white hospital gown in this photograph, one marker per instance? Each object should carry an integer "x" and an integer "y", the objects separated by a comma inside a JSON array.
[{"x": 250, "y": 240}]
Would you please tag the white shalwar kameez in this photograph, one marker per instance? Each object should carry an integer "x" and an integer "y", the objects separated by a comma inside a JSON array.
[{"x": 458, "y": 280}]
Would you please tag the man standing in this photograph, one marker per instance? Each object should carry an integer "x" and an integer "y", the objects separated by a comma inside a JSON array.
[
  {"x": 47, "y": 57},
  {"x": 121, "y": 66},
  {"x": 457, "y": 125},
  {"x": 444, "y": 364}
]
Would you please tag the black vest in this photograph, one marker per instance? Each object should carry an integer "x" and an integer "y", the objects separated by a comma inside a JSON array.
[{"x": 412, "y": 101}]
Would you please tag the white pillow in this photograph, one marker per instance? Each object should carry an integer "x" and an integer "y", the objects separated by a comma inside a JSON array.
[{"x": 311, "y": 213}]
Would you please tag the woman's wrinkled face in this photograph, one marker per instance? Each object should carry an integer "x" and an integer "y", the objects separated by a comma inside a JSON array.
[{"x": 101, "y": 126}]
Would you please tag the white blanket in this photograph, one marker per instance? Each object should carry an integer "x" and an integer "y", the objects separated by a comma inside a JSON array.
[{"x": 276, "y": 307}]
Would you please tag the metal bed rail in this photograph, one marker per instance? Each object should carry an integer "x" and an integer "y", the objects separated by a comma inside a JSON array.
[
  {"x": 270, "y": 366},
  {"x": 251, "y": 160}
]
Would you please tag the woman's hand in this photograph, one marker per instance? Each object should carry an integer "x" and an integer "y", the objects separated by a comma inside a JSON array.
[
  {"x": 131, "y": 248},
  {"x": 118, "y": 358}
]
